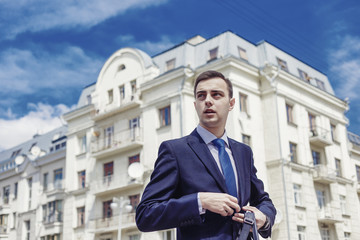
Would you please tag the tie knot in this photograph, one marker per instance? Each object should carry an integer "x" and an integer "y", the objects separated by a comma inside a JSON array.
[{"x": 219, "y": 143}]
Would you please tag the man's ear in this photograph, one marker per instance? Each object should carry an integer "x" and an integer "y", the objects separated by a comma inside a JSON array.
[{"x": 231, "y": 104}]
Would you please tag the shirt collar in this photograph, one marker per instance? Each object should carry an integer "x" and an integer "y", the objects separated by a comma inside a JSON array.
[{"x": 208, "y": 137}]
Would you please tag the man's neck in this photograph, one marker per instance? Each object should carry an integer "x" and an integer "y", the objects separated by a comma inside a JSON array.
[{"x": 218, "y": 132}]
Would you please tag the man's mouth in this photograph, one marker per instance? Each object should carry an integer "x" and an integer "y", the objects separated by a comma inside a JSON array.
[{"x": 209, "y": 111}]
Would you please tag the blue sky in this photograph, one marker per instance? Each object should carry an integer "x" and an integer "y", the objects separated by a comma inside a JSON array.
[{"x": 50, "y": 50}]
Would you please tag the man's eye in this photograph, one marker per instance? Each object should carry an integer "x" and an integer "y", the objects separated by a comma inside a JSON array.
[{"x": 200, "y": 95}]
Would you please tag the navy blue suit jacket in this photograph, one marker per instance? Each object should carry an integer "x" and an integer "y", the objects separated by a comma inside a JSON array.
[{"x": 185, "y": 167}]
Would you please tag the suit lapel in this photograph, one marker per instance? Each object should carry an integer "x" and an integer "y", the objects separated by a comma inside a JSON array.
[
  {"x": 202, "y": 151},
  {"x": 240, "y": 167}
]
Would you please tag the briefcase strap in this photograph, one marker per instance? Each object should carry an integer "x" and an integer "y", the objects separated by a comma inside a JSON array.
[{"x": 249, "y": 221}]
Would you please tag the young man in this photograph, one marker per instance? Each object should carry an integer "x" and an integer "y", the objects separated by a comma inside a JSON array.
[{"x": 202, "y": 185}]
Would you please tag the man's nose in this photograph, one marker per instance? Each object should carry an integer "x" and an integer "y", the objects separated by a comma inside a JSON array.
[{"x": 208, "y": 100}]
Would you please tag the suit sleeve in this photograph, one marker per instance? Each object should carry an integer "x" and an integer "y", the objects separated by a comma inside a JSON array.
[
  {"x": 162, "y": 206},
  {"x": 261, "y": 200}
]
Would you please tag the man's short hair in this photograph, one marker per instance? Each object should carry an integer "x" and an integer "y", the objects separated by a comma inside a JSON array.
[{"x": 213, "y": 74}]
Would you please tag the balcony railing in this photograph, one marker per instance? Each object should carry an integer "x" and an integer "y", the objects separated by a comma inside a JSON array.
[
  {"x": 326, "y": 215},
  {"x": 116, "y": 106},
  {"x": 323, "y": 174},
  {"x": 113, "y": 183},
  {"x": 53, "y": 218},
  {"x": 118, "y": 141},
  {"x": 320, "y": 137},
  {"x": 56, "y": 186},
  {"x": 112, "y": 223}
]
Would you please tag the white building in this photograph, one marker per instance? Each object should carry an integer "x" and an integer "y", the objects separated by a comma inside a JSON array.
[
  {"x": 285, "y": 110},
  {"x": 32, "y": 190}
]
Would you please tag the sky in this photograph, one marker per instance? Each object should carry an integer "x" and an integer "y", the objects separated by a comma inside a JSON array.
[{"x": 51, "y": 50}]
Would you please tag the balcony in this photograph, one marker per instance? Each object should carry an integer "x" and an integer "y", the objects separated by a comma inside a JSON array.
[
  {"x": 55, "y": 188},
  {"x": 326, "y": 215},
  {"x": 114, "y": 183},
  {"x": 111, "y": 224},
  {"x": 323, "y": 174},
  {"x": 320, "y": 137},
  {"x": 117, "y": 106},
  {"x": 117, "y": 142},
  {"x": 53, "y": 219}
]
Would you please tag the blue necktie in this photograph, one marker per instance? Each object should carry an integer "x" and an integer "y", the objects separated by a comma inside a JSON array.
[{"x": 226, "y": 167}]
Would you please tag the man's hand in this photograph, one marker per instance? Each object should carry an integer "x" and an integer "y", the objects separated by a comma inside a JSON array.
[
  {"x": 259, "y": 216},
  {"x": 221, "y": 203}
]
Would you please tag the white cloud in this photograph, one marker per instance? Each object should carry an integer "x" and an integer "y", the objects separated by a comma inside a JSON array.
[
  {"x": 345, "y": 66},
  {"x": 26, "y": 72},
  {"x": 41, "y": 119},
  {"x": 147, "y": 46},
  {"x": 39, "y": 15}
]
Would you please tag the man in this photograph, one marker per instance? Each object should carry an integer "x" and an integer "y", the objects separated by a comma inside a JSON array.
[{"x": 190, "y": 188}]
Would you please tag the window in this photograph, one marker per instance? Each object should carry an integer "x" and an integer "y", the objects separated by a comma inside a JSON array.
[
  {"x": 133, "y": 88},
  {"x": 121, "y": 67},
  {"x": 58, "y": 176},
  {"x": 213, "y": 53},
  {"x": 293, "y": 153},
  {"x": 168, "y": 235},
  {"x": 80, "y": 216},
  {"x": 301, "y": 232},
  {"x": 133, "y": 159},
  {"x": 289, "y": 113},
  {"x": 15, "y": 190},
  {"x": 52, "y": 211},
  {"x": 170, "y": 64},
  {"x": 108, "y": 133},
  {"x": 347, "y": 236},
  {"x": 15, "y": 153},
  {"x": 6, "y": 194},
  {"x": 320, "y": 84},
  {"x": 320, "y": 195},
  {"x": 134, "y": 201},
  {"x": 316, "y": 157},
  {"x": 27, "y": 230},
  {"x": 243, "y": 54},
  {"x": 312, "y": 124},
  {"x": 297, "y": 194},
  {"x": 45, "y": 181},
  {"x": 246, "y": 139},
  {"x": 343, "y": 204},
  {"x": 83, "y": 144},
  {"x": 30, "y": 191},
  {"x": 89, "y": 99},
  {"x": 122, "y": 92},
  {"x": 3, "y": 223},
  {"x": 134, "y": 237},
  {"x": 134, "y": 125},
  {"x": 107, "y": 211},
  {"x": 358, "y": 172},
  {"x": 110, "y": 96},
  {"x": 108, "y": 172},
  {"x": 165, "y": 117},
  {"x": 243, "y": 103},
  {"x": 282, "y": 64},
  {"x": 81, "y": 179},
  {"x": 333, "y": 132},
  {"x": 304, "y": 76},
  {"x": 325, "y": 233},
  {"x": 338, "y": 167}
]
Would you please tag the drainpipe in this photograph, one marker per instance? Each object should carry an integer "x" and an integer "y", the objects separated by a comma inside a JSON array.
[{"x": 273, "y": 83}]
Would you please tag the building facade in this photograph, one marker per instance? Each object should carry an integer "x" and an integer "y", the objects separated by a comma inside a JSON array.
[
  {"x": 285, "y": 110},
  {"x": 32, "y": 188}
]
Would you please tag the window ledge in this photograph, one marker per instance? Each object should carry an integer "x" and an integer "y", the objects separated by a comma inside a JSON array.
[
  {"x": 292, "y": 124},
  {"x": 300, "y": 206},
  {"x": 163, "y": 127}
]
